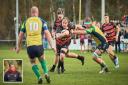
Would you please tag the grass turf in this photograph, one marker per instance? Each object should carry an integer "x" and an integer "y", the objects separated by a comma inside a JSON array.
[{"x": 75, "y": 73}]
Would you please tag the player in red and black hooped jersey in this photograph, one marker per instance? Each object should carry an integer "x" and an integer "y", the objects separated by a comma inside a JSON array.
[
  {"x": 62, "y": 42},
  {"x": 57, "y": 28},
  {"x": 63, "y": 39},
  {"x": 111, "y": 32},
  {"x": 57, "y": 24}
]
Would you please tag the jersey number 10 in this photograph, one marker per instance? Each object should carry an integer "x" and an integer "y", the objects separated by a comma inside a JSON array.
[{"x": 33, "y": 26}]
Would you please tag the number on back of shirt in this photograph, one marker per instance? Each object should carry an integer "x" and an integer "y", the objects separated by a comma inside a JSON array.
[{"x": 33, "y": 26}]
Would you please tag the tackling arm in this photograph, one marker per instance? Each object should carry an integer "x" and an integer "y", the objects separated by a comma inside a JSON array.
[
  {"x": 79, "y": 27},
  {"x": 79, "y": 32}
]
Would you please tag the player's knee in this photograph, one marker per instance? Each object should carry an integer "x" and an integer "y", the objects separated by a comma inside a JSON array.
[
  {"x": 33, "y": 61},
  {"x": 95, "y": 55},
  {"x": 63, "y": 52},
  {"x": 111, "y": 54},
  {"x": 57, "y": 54}
]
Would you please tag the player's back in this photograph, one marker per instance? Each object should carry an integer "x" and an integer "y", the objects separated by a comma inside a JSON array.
[{"x": 34, "y": 31}]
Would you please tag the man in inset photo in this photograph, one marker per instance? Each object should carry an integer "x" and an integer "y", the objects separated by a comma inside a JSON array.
[{"x": 12, "y": 74}]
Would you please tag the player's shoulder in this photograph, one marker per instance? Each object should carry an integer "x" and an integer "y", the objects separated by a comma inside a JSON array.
[
  {"x": 44, "y": 21},
  {"x": 113, "y": 24},
  {"x": 104, "y": 25},
  {"x": 32, "y": 18},
  {"x": 93, "y": 27}
]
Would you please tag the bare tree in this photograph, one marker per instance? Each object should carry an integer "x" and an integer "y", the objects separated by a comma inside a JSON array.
[
  {"x": 74, "y": 14},
  {"x": 87, "y": 8}
]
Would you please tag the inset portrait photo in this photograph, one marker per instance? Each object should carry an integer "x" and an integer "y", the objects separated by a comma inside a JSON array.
[{"x": 12, "y": 71}]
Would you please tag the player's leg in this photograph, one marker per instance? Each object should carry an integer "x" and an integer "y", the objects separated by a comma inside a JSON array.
[
  {"x": 113, "y": 57},
  {"x": 100, "y": 61},
  {"x": 119, "y": 46},
  {"x": 44, "y": 67},
  {"x": 74, "y": 55},
  {"x": 116, "y": 47},
  {"x": 63, "y": 53},
  {"x": 31, "y": 54},
  {"x": 84, "y": 46},
  {"x": 56, "y": 59},
  {"x": 80, "y": 47},
  {"x": 89, "y": 45},
  {"x": 36, "y": 70},
  {"x": 41, "y": 58}
]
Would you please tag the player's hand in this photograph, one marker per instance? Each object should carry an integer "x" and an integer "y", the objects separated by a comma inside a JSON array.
[
  {"x": 54, "y": 49},
  {"x": 17, "y": 50}
]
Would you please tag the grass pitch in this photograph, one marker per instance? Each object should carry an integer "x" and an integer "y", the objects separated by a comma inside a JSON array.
[{"x": 75, "y": 73}]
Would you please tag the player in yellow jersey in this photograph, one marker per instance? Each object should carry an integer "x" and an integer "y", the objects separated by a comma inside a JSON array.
[
  {"x": 34, "y": 27},
  {"x": 100, "y": 39}
]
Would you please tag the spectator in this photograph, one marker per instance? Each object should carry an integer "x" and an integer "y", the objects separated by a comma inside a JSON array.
[
  {"x": 126, "y": 20},
  {"x": 126, "y": 33},
  {"x": 12, "y": 75},
  {"x": 89, "y": 42},
  {"x": 82, "y": 43},
  {"x": 126, "y": 39},
  {"x": 117, "y": 44}
]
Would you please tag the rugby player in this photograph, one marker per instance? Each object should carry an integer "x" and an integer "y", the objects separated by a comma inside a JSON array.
[{"x": 33, "y": 27}]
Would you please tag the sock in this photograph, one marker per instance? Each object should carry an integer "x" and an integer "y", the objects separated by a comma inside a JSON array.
[
  {"x": 79, "y": 57},
  {"x": 115, "y": 60},
  {"x": 59, "y": 64},
  {"x": 36, "y": 71},
  {"x": 100, "y": 62},
  {"x": 53, "y": 66},
  {"x": 43, "y": 64},
  {"x": 103, "y": 64},
  {"x": 62, "y": 64}
]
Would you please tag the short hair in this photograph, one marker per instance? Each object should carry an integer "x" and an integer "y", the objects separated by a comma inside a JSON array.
[
  {"x": 60, "y": 11},
  {"x": 34, "y": 8},
  {"x": 106, "y": 14},
  {"x": 66, "y": 19},
  {"x": 87, "y": 20}
]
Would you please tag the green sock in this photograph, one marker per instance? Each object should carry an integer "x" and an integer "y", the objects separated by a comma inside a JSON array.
[
  {"x": 36, "y": 71},
  {"x": 43, "y": 64},
  {"x": 102, "y": 64}
]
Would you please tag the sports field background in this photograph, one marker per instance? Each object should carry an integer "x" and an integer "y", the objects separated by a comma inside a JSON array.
[{"x": 75, "y": 73}]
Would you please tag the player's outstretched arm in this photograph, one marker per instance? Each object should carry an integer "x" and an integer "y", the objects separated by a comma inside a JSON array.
[
  {"x": 79, "y": 27},
  {"x": 49, "y": 38},
  {"x": 79, "y": 32},
  {"x": 21, "y": 34}
]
